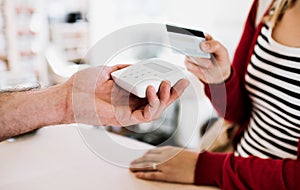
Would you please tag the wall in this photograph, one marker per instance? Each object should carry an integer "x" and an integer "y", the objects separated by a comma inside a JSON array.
[{"x": 222, "y": 19}]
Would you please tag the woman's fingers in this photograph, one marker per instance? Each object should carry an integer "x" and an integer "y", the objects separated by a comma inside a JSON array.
[
  {"x": 214, "y": 47},
  {"x": 208, "y": 37},
  {"x": 143, "y": 167},
  {"x": 148, "y": 162},
  {"x": 214, "y": 70},
  {"x": 193, "y": 68},
  {"x": 147, "y": 158},
  {"x": 156, "y": 175},
  {"x": 155, "y": 156},
  {"x": 202, "y": 62}
]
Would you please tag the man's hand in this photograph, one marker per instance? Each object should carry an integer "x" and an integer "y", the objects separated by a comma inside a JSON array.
[
  {"x": 94, "y": 98},
  {"x": 90, "y": 96}
]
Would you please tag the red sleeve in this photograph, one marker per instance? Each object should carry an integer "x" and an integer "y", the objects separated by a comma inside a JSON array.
[
  {"x": 229, "y": 172},
  {"x": 231, "y": 97}
]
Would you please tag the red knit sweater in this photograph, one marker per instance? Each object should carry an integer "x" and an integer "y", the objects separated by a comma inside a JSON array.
[{"x": 225, "y": 170}]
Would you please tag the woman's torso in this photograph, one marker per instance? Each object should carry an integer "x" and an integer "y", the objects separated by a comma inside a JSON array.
[{"x": 273, "y": 84}]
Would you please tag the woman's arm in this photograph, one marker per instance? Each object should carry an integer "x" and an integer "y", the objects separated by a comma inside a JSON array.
[
  {"x": 229, "y": 172},
  {"x": 230, "y": 98},
  {"x": 173, "y": 164}
]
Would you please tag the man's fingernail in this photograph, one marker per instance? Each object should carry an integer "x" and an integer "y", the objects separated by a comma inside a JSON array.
[
  {"x": 167, "y": 81},
  {"x": 187, "y": 83}
]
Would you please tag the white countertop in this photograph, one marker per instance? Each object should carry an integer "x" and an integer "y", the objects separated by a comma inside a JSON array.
[{"x": 59, "y": 158}]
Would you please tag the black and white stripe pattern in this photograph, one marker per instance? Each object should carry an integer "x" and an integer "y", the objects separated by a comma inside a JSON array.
[{"x": 273, "y": 83}]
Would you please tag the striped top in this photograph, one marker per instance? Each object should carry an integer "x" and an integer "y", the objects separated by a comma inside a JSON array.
[{"x": 273, "y": 84}]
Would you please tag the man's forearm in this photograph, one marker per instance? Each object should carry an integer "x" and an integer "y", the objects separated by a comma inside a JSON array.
[{"x": 21, "y": 112}]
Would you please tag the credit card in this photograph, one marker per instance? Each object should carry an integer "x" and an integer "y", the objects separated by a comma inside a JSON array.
[{"x": 186, "y": 41}]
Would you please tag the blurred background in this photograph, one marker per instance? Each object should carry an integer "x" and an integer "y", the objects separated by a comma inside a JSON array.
[{"x": 42, "y": 43}]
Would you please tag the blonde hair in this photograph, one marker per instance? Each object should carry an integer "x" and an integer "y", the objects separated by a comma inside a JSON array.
[{"x": 278, "y": 9}]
